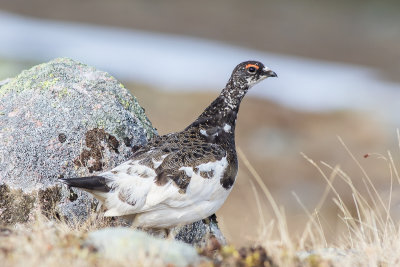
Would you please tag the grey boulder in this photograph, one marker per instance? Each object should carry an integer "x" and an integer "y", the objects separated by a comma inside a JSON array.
[{"x": 62, "y": 119}]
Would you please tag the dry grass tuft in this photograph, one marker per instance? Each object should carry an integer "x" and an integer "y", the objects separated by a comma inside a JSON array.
[
  {"x": 371, "y": 236},
  {"x": 49, "y": 243}
]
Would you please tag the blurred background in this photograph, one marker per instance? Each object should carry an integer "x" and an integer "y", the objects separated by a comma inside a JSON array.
[{"x": 338, "y": 64}]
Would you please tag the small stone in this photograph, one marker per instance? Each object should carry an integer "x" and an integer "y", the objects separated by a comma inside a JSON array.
[
  {"x": 62, "y": 138},
  {"x": 135, "y": 247}
]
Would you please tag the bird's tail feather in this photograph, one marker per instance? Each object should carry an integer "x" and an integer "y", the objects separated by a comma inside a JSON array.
[{"x": 92, "y": 183}]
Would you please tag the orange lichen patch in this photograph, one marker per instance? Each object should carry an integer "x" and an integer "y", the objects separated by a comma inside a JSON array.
[{"x": 252, "y": 65}]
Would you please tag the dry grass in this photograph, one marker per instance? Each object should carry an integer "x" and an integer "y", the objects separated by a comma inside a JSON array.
[
  {"x": 370, "y": 235},
  {"x": 49, "y": 243}
]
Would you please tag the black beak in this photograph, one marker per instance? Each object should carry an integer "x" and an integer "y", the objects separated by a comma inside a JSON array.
[{"x": 270, "y": 73}]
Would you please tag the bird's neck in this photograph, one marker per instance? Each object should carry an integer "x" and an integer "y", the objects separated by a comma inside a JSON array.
[
  {"x": 221, "y": 114},
  {"x": 233, "y": 93}
]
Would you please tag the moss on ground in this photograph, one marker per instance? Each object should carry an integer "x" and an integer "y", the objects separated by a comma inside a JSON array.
[
  {"x": 48, "y": 200},
  {"x": 15, "y": 205}
]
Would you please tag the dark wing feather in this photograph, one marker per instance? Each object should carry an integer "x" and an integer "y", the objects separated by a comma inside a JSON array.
[
  {"x": 95, "y": 183},
  {"x": 190, "y": 156}
]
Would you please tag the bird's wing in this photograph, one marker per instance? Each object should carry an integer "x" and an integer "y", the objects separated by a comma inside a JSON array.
[
  {"x": 154, "y": 177},
  {"x": 174, "y": 167},
  {"x": 182, "y": 175},
  {"x": 130, "y": 183},
  {"x": 123, "y": 190}
]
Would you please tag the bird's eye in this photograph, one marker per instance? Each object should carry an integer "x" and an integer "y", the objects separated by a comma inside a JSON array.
[{"x": 252, "y": 69}]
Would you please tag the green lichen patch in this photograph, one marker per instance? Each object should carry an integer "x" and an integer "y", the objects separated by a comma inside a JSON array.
[
  {"x": 48, "y": 84},
  {"x": 43, "y": 77},
  {"x": 131, "y": 104},
  {"x": 256, "y": 256},
  {"x": 63, "y": 93}
]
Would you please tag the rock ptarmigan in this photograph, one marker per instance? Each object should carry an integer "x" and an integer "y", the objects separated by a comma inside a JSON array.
[{"x": 182, "y": 177}]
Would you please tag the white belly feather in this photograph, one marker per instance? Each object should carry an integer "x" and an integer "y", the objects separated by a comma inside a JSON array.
[{"x": 164, "y": 206}]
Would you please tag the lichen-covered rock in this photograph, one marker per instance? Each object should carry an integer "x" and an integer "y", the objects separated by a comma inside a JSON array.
[
  {"x": 62, "y": 119},
  {"x": 66, "y": 119},
  {"x": 138, "y": 248}
]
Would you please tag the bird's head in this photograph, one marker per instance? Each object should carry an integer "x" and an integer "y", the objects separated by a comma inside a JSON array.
[{"x": 248, "y": 73}]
